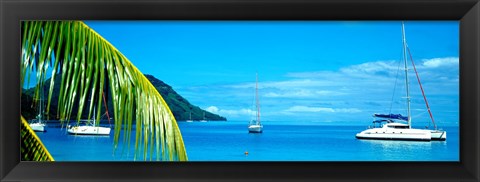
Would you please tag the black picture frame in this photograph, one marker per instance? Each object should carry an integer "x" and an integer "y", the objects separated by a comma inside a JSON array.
[{"x": 13, "y": 11}]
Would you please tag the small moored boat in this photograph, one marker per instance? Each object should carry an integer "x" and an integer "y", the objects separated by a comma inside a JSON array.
[
  {"x": 255, "y": 126},
  {"x": 89, "y": 130},
  {"x": 92, "y": 127},
  {"x": 38, "y": 124}
]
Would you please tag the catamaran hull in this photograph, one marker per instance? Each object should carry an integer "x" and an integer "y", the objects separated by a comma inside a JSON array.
[
  {"x": 37, "y": 127},
  {"x": 400, "y": 134},
  {"x": 438, "y": 135},
  {"x": 255, "y": 129},
  {"x": 89, "y": 130},
  {"x": 393, "y": 138}
]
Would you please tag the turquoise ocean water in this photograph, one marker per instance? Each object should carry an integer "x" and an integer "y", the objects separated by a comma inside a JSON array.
[{"x": 280, "y": 141}]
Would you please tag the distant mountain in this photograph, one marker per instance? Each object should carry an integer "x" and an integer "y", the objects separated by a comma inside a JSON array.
[{"x": 180, "y": 107}]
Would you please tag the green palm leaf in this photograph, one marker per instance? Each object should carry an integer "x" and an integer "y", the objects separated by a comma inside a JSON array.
[
  {"x": 84, "y": 60},
  {"x": 32, "y": 149}
]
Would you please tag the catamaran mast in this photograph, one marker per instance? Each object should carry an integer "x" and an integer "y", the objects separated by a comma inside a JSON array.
[{"x": 406, "y": 74}]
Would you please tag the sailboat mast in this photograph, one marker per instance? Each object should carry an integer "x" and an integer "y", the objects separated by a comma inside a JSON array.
[
  {"x": 40, "y": 106},
  {"x": 256, "y": 99},
  {"x": 94, "y": 113},
  {"x": 406, "y": 75}
]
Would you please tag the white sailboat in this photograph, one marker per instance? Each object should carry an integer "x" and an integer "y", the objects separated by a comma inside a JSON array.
[
  {"x": 204, "y": 119},
  {"x": 190, "y": 120},
  {"x": 394, "y": 127},
  {"x": 255, "y": 126},
  {"x": 89, "y": 129},
  {"x": 38, "y": 124}
]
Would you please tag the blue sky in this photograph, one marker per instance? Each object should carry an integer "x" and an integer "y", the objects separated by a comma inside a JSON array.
[{"x": 315, "y": 71}]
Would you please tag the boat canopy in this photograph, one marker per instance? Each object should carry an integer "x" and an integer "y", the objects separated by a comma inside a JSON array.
[
  {"x": 391, "y": 116},
  {"x": 383, "y": 120}
]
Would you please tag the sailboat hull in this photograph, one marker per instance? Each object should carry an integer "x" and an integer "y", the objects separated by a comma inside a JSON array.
[
  {"x": 37, "y": 127},
  {"x": 255, "y": 129},
  {"x": 89, "y": 130}
]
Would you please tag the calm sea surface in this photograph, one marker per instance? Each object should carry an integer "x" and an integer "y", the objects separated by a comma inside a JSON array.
[{"x": 280, "y": 141}]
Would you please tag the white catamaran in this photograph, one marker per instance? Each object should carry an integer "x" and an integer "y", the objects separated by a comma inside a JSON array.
[
  {"x": 255, "y": 126},
  {"x": 395, "y": 127}
]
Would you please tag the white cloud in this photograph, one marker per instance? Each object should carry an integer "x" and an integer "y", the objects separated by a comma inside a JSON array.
[
  {"x": 348, "y": 110},
  {"x": 230, "y": 113},
  {"x": 373, "y": 66},
  {"x": 348, "y": 89},
  {"x": 440, "y": 62},
  {"x": 212, "y": 109},
  {"x": 369, "y": 68},
  {"x": 314, "y": 74},
  {"x": 300, "y": 93},
  {"x": 296, "y": 83},
  {"x": 322, "y": 109},
  {"x": 309, "y": 109}
]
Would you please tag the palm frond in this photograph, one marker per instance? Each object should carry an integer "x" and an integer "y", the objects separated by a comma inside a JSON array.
[
  {"x": 84, "y": 60},
  {"x": 32, "y": 149}
]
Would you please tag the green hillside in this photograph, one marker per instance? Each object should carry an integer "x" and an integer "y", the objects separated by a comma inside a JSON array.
[{"x": 179, "y": 106}]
